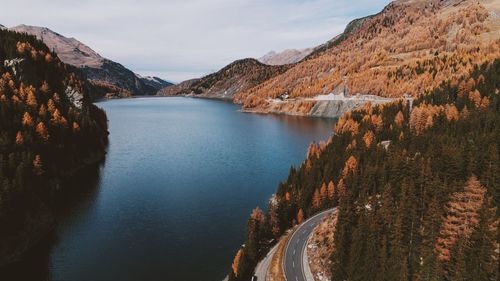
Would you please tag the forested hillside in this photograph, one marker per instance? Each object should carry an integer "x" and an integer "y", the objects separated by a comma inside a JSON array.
[
  {"x": 238, "y": 76},
  {"x": 410, "y": 47},
  {"x": 48, "y": 130},
  {"x": 425, "y": 207}
]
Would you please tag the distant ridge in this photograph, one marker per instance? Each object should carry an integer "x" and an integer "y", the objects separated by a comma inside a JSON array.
[
  {"x": 110, "y": 78},
  {"x": 224, "y": 84}
]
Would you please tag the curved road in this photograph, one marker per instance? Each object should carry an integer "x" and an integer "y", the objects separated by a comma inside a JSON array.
[{"x": 293, "y": 263}]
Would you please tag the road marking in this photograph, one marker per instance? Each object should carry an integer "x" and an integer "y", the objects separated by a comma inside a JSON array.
[
  {"x": 307, "y": 225},
  {"x": 294, "y": 251}
]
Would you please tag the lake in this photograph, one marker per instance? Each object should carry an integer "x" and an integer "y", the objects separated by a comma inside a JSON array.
[{"x": 172, "y": 198}]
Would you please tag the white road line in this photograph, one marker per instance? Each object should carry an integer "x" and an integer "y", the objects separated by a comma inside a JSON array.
[
  {"x": 294, "y": 251},
  {"x": 293, "y": 264}
]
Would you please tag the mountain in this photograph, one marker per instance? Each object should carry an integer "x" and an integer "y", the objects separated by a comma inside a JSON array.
[
  {"x": 414, "y": 181},
  {"x": 109, "y": 78},
  {"x": 408, "y": 48},
  {"x": 351, "y": 28},
  {"x": 286, "y": 57},
  {"x": 154, "y": 82},
  {"x": 49, "y": 130},
  {"x": 291, "y": 56},
  {"x": 238, "y": 76},
  {"x": 415, "y": 190}
]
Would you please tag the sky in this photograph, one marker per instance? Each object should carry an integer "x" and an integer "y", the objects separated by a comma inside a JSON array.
[{"x": 182, "y": 39}]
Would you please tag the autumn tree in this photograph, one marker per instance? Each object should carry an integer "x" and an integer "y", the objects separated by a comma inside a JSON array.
[
  {"x": 42, "y": 112},
  {"x": 316, "y": 200},
  {"x": 350, "y": 165},
  {"x": 75, "y": 127},
  {"x": 300, "y": 216},
  {"x": 58, "y": 119},
  {"x": 331, "y": 189},
  {"x": 236, "y": 262},
  {"x": 451, "y": 112},
  {"x": 31, "y": 99},
  {"x": 27, "y": 120},
  {"x": 368, "y": 138},
  {"x": 399, "y": 119},
  {"x": 42, "y": 132},
  {"x": 19, "y": 138},
  {"x": 461, "y": 217}
]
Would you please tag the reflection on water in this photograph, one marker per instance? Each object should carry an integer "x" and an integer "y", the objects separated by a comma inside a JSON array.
[{"x": 79, "y": 193}]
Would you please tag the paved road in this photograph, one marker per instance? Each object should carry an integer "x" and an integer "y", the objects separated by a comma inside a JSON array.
[
  {"x": 293, "y": 262},
  {"x": 263, "y": 265}
]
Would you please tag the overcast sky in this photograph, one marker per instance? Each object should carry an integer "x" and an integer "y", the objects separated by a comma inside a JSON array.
[{"x": 181, "y": 39}]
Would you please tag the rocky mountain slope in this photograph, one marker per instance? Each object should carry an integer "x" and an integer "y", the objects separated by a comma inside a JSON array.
[
  {"x": 286, "y": 57},
  {"x": 238, "y": 76},
  {"x": 408, "y": 48},
  {"x": 109, "y": 77}
]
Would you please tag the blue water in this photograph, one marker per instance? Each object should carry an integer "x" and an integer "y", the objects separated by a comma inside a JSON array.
[{"x": 174, "y": 194}]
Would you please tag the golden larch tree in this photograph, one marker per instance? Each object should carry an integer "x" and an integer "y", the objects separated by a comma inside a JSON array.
[
  {"x": 31, "y": 99},
  {"x": 58, "y": 119},
  {"x": 236, "y": 262},
  {"x": 331, "y": 189},
  {"x": 316, "y": 200},
  {"x": 350, "y": 165},
  {"x": 451, "y": 112},
  {"x": 300, "y": 216},
  {"x": 42, "y": 131},
  {"x": 42, "y": 112},
  {"x": 75, "y": 127},
  {"x": 461, "y": 218},
  {"x": 399, "y": 119},
  {"x": 19, "y": 138},
  {"x": 368, "y": 138},
  {"x": 27, "y": 120}
]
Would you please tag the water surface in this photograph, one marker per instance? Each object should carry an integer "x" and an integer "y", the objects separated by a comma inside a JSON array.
[{"x": 173, "y": 196}]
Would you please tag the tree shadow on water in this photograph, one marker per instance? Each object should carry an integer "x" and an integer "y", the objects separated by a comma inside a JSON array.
[{"x": 79, "y": 192}]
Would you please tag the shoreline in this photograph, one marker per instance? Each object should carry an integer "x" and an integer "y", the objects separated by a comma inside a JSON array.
[{"x": 33, "y": 234}]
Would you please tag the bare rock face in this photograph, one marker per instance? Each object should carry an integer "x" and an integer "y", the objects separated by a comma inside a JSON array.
[
  {"x": 110, "y": 76},
  {"x": 74, "y": 96},
  {"x": 15, "y": 65},
  {"x": 69, "y": 50},
  {"x": 286, "y": 57}
]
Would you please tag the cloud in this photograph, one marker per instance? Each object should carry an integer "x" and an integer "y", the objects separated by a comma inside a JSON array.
[{"x": 189, "y": 38}]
